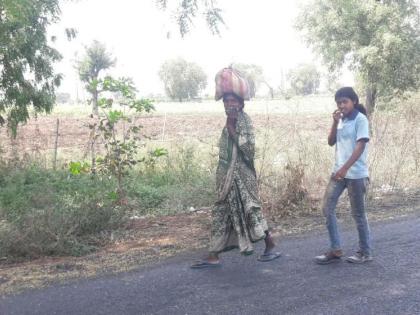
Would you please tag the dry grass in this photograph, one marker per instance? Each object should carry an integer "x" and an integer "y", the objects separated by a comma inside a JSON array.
[{"x": 293, "y": 157}]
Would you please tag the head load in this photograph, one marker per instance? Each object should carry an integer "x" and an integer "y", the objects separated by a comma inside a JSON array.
[{"x": 231, "y": 81}]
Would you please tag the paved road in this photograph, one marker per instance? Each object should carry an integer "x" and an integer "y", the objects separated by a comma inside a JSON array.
[{"x": 290, "y": 285}]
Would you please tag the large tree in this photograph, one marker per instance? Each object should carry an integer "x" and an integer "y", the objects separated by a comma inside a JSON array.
[
  {"x": 378, "y": 39},
  {"x": 96, "y": 60},
  {"x": 183, "y": 80},
  {"x": 27, "y": 76},
  {"x": 304, "y": 79}
]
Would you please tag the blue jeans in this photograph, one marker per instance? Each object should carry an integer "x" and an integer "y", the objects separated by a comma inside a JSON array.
[{"x": 356, "y": 189}]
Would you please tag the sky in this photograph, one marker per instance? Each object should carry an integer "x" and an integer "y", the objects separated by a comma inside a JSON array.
[{"x": 135, "y": 32}]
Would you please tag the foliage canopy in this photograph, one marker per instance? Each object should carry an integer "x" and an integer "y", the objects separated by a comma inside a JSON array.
[
  {"x": 378, "y": 39},
  {"x": 95, "y": 60},
  {"x": 304, "y": 79},
  {"x": 27, "y": 76},
  {"x": 183, "y": 80},
  {"x": 185, "y": 11}
]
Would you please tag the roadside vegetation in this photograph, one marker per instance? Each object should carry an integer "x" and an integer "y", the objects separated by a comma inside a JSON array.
[{"x": 71, "y": 210}]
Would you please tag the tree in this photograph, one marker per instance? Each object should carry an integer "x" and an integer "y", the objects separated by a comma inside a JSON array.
[
  {"x": 63, "y": 98},
  {"x": 96, "y": 59},
  {"x": 185, "y": 11},
  {"x": 27, "y": 76},
  {"x": 304, "y": 79},
  {"x": 121, "y": 144},
  {"x": 182, "y": 79},
  {"x": 333, "y": 81},
  {"x": 378, "y": 39}
]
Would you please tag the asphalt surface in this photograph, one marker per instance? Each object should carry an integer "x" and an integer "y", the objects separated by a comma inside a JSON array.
[{"x": 292, "y": 284}]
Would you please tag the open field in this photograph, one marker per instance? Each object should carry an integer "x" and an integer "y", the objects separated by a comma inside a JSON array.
[
  {"x": 312, "y": 104},
  {"x": 292, "y": 131},
  {"x": 169, "y": 122}
]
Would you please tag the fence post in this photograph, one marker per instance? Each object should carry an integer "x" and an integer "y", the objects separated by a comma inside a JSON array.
[
  {"x": 163, "y": 129},
  {"x": 56, "y": 144}
]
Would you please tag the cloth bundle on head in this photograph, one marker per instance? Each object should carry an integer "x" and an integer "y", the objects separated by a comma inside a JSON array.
[{"x": 229, "y": 80}]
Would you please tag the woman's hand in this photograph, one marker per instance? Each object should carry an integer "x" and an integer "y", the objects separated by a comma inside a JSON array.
[
  {"x": 231, "y": 125},
  {"x": 337, "y": 115},
  {"x": 340, "y": 174}
]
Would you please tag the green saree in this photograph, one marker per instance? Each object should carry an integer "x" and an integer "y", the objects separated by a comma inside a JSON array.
[{"x": 237, "y": 220}]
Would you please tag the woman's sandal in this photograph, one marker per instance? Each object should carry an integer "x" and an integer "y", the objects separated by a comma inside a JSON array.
[
  {"x": 201, "y": 264},
  {"x": 269, "y": 256}
]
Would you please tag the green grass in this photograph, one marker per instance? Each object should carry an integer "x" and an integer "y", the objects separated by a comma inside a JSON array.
[
  {"x": 47, "y": 212},
  {"x": 179, "y": 181}
]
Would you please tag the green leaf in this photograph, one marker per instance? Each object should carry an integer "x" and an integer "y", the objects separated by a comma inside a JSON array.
[
  {"x": 76, "y": 168},
  {"x": 159, "y": 152},
  {"x": 112, "y": 195},
  {"x": 114, "y": 116}
]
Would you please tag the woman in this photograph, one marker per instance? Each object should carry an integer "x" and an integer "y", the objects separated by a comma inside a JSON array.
[
  {"x": 237, "y": 220},
  {"x": 350, "y": 135}
]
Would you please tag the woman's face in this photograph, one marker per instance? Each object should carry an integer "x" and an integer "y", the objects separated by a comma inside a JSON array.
[
  {"x": 232, "y": 106},
  {"x": 345, "y": 105}
]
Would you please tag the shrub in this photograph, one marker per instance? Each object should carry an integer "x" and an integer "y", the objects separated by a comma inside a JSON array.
[{"x": 46, "y": 212}]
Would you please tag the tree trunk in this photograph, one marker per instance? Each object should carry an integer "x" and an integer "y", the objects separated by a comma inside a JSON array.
[
  {"x": 271, "y": 90},
  {"x": 93, "y": 149},
  {"x": 370, "y": 100},
  {"x": 95, "y": 110}
]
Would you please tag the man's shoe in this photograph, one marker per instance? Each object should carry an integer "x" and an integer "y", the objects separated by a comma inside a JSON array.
[
  {"x": 359, "y": 258},
  {"x": 329, "y": 257}
]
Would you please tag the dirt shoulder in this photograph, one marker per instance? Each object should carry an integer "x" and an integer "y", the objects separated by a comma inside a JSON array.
[{"x": 149, "y": 240}]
